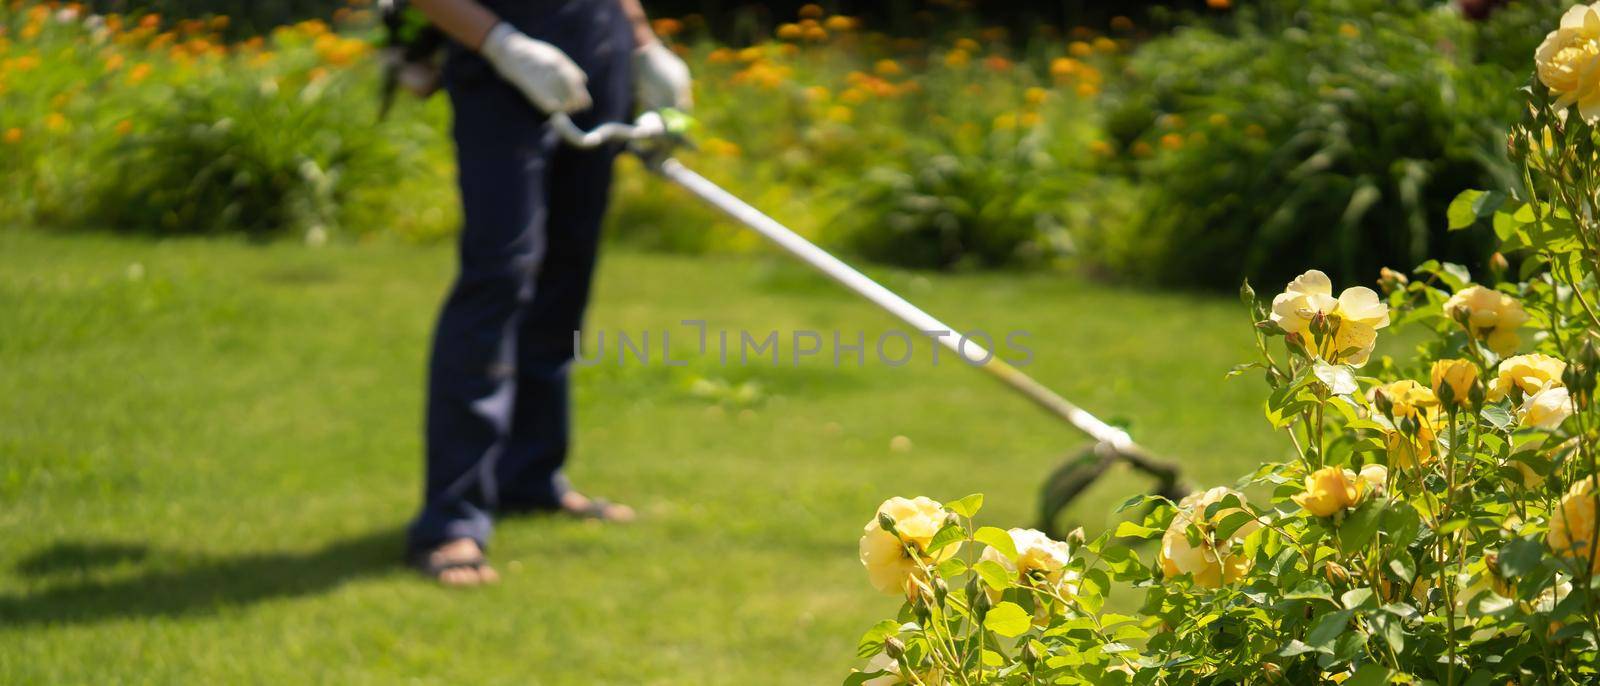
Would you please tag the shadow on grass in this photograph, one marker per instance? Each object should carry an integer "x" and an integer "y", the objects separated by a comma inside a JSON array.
[{"x": 192, "y": 586}]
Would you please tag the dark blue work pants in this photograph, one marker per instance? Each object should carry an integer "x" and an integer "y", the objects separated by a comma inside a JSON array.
[{"x": 497, "y": 407}]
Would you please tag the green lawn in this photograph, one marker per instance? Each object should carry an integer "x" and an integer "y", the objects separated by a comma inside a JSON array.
[{"x": 209, "y": 449}]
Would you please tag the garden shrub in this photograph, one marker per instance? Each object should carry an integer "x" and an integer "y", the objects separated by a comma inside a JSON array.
[
  {"x": 1330, "y": 130},
  {"x": 1435, "y": 521},
  {"x": 141, "y": 125}
]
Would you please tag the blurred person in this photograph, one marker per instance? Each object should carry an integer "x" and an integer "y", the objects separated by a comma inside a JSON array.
[{"x": 498, "y": 408}]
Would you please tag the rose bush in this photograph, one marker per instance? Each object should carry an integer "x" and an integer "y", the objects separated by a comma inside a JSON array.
[{"x": 1434, "y": 523}]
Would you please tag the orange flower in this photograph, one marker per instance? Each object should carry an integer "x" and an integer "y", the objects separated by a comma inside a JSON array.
[
  {"x": 1219, "y": 4},
  {"x": 1079, "y": 48},
  {"x": 1087, "y": 90},
  {"x": 887, "y": 67},
  {"x": 840, "y": 23},
  {"x": 150, "y": 21},
  {"x": 1035, "y": 95},
  {"x": 124, "y": 127},
  {"x": 816, "y": 34},
  {"x": 1063, "y": 67},
  {"x": 721, "y": 56},
  {"x": 56, "y": 122},
  {"x": 1172, "y": 141},
  {"x": 114, "y": 62},
  {"x": 13, "y": 135},
  {"x": 811, "y": 11},
  {"x": 997, "y": 63},
  {"x": 956, "y": 58},
  {"x": 1101, "y": 149},
  {"x": 139, "y": 72},
  {"x": 666, "y": 27},
  {"x": 1105, "y": 45},
  {"x": 1121, "y": 23}
]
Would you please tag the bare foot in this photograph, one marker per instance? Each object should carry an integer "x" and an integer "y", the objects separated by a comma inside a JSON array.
[
  {"x": 459, "y": 564},
  {"x": 578, "y": 504}
]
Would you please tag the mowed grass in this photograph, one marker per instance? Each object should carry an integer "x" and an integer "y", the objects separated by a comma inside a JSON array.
[{"x": 209, "y": 450}]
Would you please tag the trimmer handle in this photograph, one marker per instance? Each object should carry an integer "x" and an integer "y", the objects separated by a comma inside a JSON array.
[{"x": 651, "y": 126}]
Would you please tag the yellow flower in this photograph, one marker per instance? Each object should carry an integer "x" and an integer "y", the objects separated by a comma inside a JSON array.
[
  {"x": 1491, "y": 316},
  {"x": 1346, "y": 328},
  {"x": 1035, "y": 95},
  {"x": 892, "y": 677},
  {"x": 886, "y": 556},
  {"x": 1063, "y": 67},
  {"x": 1526, "y": 375},
  {"x": 1568, "y": 58},
  {"x": 957, "y": 58},
  {"x": 887, "y": 67},
  {"x": 1375, "y": 479},
  {"x": 811, "y": 11},
  {"x": 1546, "y": 409},
  {"x": 840, "y": 23},
  {"x": 1038, "y": 558},
  {"x": 1411, "y": 401},
  {"x": 1330, "y": 490},
  {"x": 1454, "y": 381},
  {"x": 1080, "y": 49},
  {"x": 1211, "y": 562},
  {"x": 1572, "y": 525}
]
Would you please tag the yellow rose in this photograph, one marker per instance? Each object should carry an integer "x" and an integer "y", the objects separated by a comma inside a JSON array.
[
  {"x": 889, "y": 563},
  {"x": 1527, "y": 374},
  {"x": 1546, "y": 409},
  {"x": 1409, "y": 400},
  {"x": 1572, "y": 525},
  {"x": 1491, "y": 317},
  {"x": 1038, "y": 558},
  {"x": 1460, "y": 377},
  {"x": 892, "y": 677},
  {"x": 1352, "y": 320},
  {"x": 1375, "y": 479},
  {"x": 1568, "y": 58},
  {"x": 1330, "y": 490},
  {"x": 1211, "y": 562}
]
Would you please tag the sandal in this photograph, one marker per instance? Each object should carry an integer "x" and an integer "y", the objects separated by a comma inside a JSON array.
[{"x": 430, "y": 564}]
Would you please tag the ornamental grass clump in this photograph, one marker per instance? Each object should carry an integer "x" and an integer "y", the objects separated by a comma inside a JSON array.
[{"x": 1434, "y": 521}]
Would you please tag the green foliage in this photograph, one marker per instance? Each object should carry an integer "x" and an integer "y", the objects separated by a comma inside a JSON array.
[{"x": 1334, "y": 131}]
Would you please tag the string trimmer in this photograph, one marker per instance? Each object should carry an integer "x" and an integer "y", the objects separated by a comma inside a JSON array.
[{"x": 652, "y": 138}]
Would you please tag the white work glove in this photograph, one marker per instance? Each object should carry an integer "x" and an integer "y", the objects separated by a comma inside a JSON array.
[
  {"x": 660, "y": 79},
  {"x": 550, "y": 79}
]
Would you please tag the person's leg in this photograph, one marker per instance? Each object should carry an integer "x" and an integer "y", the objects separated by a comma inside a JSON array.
[
  {"x": 579, "y": 187},
  {"x": 503, "y": 157}
]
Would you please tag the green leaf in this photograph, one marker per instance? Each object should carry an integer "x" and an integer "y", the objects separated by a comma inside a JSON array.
[
  {"x": 1520, "y": 557},
  {"x": 993, "y": 574},
  {"x": 1360, "y": 526},
  {"x": 967, "y": 507},
  {"x": 871, "y": 643},
  {"x": 1471, "y": 206},
  {"x": 1338, "y": 378},
  {"x": 1328, "y": 629},
  {"x": 952, "y": 567},
  {"x": 1131, "y": 530},
  {"x": 1008, "y": 619},
  {"x": 1500, "y": 416},
  {"x": 1355, "y": 597},
  {"x": 953, "y": 533},
  {"x": 1231, "y": 522},
  {"x": 997, "y": 539},
  {"x": 1370, "y": 674}
]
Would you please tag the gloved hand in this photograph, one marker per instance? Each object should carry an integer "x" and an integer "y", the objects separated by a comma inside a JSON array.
[
  {"x": 550, "y": 79},
  {"x": 660, "y": 78}
]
